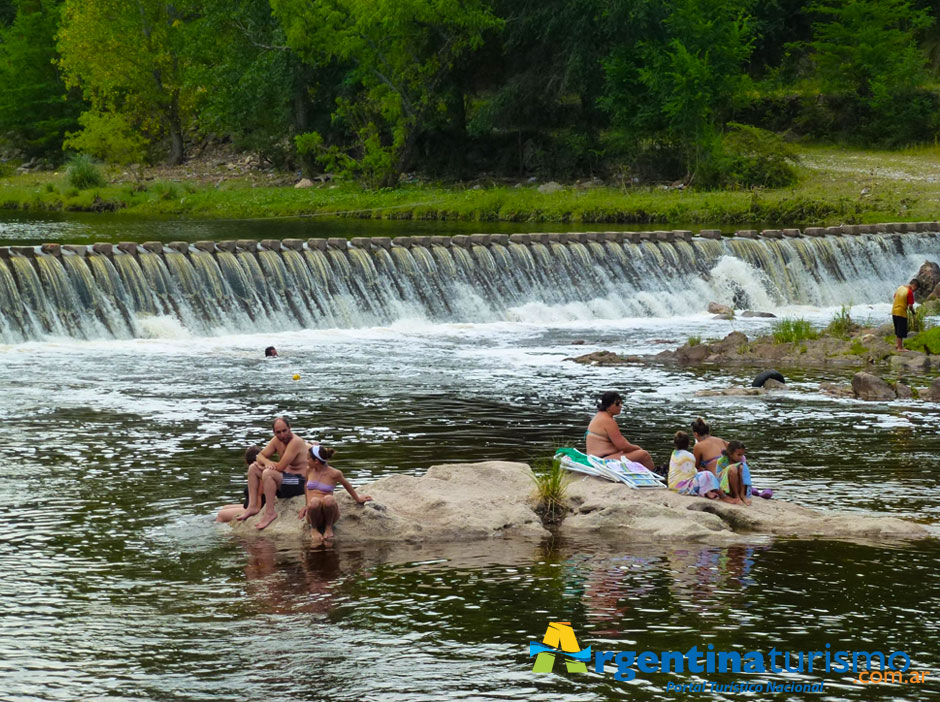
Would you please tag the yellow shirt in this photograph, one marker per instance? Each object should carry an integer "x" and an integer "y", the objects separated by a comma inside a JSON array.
[{"x": 900, "y": 301}]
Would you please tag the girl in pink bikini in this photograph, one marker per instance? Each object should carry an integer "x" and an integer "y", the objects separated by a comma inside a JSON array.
[{"x": 321, "y": 510}]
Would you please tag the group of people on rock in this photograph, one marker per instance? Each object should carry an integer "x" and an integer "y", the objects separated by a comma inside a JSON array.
[
  {"x": 714, "y": 468},
  {"x": 301, "y": 468}
]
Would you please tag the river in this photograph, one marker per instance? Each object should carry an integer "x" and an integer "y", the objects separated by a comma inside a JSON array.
[{"x": 123, "y": 442}]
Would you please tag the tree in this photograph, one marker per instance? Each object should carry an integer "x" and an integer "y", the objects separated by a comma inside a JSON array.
[
  {"x": 862, "y": 47},
  {"x": 682, "y": 81},
  {"x": 867, "y": 51},
  {"x": 251, "y": 84},
  {"x": 34, "y": 103},
  {"x": 125, "y": 55},
  {"x": 399, "y": 55}
]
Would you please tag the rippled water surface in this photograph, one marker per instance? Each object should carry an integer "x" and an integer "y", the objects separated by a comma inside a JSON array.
[{"x": 117, "y": 585}]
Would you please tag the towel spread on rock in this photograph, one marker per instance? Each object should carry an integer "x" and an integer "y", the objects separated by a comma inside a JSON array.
[{"x": 685, "y": 479}]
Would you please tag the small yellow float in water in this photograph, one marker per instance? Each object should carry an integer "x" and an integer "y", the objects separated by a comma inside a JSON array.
[{"x": 296, "y": 376}]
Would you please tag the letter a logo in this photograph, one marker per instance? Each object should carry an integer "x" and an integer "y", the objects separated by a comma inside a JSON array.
[{"x": 559, "y": 640}]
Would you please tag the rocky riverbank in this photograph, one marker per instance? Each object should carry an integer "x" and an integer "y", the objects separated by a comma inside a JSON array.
[
  {"x": 495, "y": 499},
  {"x": 863, "y": 348}
]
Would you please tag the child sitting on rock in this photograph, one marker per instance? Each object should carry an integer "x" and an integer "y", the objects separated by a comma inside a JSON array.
[
  {"x": 683, "y": 477},
  {"x": 734, "y": 476}
]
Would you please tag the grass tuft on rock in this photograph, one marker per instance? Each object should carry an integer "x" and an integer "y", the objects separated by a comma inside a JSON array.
[
  {"x": 793, "y": 331},
  {"x": 551, "y": 488}
]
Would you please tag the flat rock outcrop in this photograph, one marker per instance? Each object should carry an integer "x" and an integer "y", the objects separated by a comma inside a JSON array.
[
  {"x": 453, "y": 502},
  {"x": 601, "y": 506},
  {"x": 495, "y": 499}
]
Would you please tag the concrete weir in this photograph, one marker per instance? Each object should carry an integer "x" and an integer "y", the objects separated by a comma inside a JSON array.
[{"x": 104, "y": 289}]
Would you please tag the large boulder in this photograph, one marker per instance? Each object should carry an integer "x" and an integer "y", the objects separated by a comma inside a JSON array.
[
  {"x": 602, "y": 507},
  {"x": 911, "y": 361},
  {"x": 928, "y": 275},
  {"x": 484, "y": 501},
  {"x": 718, "y": 308},
  {"x": 933, "y": 392},
  {"x": 870, "y": 387},
  {"x": 454, "y": 502}
]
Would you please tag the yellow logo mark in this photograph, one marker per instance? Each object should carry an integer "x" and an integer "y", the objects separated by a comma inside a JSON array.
[{"x": 559, "y": 636}]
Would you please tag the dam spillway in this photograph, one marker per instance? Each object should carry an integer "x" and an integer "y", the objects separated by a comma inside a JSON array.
[{"x": 107, "y": 290}]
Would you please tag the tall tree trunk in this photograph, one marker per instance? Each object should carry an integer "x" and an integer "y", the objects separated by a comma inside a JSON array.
[{"x": 176, "y": 133}]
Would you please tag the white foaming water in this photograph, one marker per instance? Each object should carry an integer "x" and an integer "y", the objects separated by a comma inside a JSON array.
[{"x": 162, "y": 327}]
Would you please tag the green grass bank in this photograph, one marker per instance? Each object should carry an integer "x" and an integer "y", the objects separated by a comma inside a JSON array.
[{"x": 836, "y": 186}]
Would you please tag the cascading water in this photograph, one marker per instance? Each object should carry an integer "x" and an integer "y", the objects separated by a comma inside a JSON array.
[{"x": 111, "y": 295}]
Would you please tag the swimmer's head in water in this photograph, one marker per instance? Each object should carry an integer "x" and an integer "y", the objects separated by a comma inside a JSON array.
[
  {"x": 270, "y": 352},
  {"x": 607, "y": 399}
]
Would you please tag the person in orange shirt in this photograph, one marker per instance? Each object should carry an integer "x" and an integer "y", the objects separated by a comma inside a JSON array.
[{"x": 903, "y": 301}]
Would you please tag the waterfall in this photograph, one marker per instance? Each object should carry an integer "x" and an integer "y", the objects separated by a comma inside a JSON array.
[{"x": 95, "y": 293}]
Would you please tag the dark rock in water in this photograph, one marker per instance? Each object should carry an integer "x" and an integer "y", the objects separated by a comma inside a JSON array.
[
  {"x": 933, "y": 392},
  {"x": 717, "y": 308},
  {"x": 578, "y": 342},
  {"x": 600, "y": 358},
  {"x": 843, "y": 390},
  {"x": 724, "y": 317},
  {"x": 752, "y": 313},
  {"x": 928, "y": 275},
  {"x": 870, "y": 387}
]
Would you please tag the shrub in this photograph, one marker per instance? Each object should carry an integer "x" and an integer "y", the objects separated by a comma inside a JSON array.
[
  {"x": 82, "y": 172},
  {"x": 165, "y": 190},
  {"x": 842, "y": 325},
  {"x": 551, "y": 486},
  {"x": 793, "y": 330},
  {"x": 918, "y": 321},
  {"x": 694, "y": 340},
  {"x": 746, "y": 157},
  {"x": 927, "y": 341}
]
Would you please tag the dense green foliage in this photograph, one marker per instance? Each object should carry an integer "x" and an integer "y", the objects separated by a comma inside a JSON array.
[{"x": 644, "y": 90}]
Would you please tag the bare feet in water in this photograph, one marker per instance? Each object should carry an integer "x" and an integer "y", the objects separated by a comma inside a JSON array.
[
  {"x": 316, "y": 538},
  {"x": 265, "y": 521},
  {"x": 328, "y": 534}
]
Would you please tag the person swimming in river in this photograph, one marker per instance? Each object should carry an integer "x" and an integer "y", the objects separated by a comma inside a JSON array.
[
  {"x": 734, "y": 476},
  {"x": 684, "y": 477},
  {"x": 603, "y": 437},
  {"x": 321, "y": 510}
]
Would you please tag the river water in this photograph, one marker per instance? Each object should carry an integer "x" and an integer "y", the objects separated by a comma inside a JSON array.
[{"x": 118, "y": 586}]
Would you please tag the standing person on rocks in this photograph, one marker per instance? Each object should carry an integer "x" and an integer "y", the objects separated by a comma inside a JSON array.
[
  {"x": 903, "y": 301},
  {"x": 603, "y": 437},
  {"x": 281, "y": 478}
]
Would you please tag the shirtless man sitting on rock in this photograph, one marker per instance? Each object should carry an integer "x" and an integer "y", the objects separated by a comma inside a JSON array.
[{"x": 281, "y": 478}]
